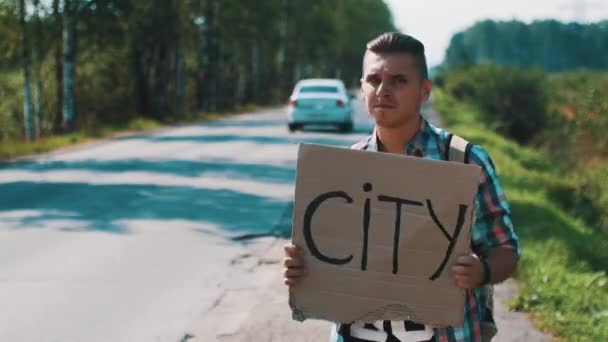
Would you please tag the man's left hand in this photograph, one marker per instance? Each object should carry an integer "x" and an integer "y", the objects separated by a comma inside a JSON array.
[{"x": 468, "y": 271}]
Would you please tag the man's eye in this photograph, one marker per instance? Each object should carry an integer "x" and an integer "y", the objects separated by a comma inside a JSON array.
[
  {"x": 373, "y": 80},
  {"x": 401, "y": 80}
]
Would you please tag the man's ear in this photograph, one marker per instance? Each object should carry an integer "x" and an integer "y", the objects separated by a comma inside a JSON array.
[
  {"x": 427, "y": 86},
  {"x": 361, "y": 88}
]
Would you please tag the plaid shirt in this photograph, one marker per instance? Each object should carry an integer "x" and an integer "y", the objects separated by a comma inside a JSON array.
[{"x": 492, "y": 226}]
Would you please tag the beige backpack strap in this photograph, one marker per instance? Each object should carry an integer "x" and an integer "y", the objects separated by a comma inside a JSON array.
[
  {"x": 458, "y": 149},
  {"x": 457, "y": 152}
]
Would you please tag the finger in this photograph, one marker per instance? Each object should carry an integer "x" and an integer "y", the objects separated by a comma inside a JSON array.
[
  {"x": 293, "y": 262},
  {"x": 461, "y": 270},
  {"x": 462, "y": 279},
  {"x": 291, "y": 250},
  {"x": 292, "y": 281},
  {"x": 465, "y": 260},
  {"x": 458, "y": 277},
  {"x": 464, "y": 283},
  {"x": 293, "y": 272}
]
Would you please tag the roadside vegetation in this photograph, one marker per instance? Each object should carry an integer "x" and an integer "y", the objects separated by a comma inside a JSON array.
[{"x": 546, "y": 135}]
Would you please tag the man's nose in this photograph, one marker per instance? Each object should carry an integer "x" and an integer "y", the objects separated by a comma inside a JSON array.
[{"x": 383, "y": 89}]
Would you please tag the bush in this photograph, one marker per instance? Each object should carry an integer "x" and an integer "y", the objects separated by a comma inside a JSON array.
[
  {"x": 594, "y": 190},
  {"x": 512, "y": 101}
]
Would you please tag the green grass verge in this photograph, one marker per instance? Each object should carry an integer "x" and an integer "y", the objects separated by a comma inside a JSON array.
[
  {"x": 17, "y": 148},
  {"x": 563, "y": 270}
]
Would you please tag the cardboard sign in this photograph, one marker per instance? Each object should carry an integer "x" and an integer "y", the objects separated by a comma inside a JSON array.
[{"x": 379, "y": 233}]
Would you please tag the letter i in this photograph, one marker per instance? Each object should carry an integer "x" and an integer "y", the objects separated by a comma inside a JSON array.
[{"x": 367, "y": 187}]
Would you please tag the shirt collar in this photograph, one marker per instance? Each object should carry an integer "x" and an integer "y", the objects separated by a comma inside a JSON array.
[{"x": 414, "y": 146}]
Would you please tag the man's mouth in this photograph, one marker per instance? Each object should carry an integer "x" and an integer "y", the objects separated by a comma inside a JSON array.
[{"x": 384, "y": 106}]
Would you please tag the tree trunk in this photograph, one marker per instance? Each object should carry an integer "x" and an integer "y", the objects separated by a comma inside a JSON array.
[
  {"x": 160, "y": 94},
  {"x": 180, "y": 86},
  {"x": 38, "y": 99},
  {"x": 211, "y": 55},
  {"x": 239, "y": 66},
  {"x": 286, "y": 60},
  {"x": 138, "y": 68},
  {"x": 58, "y": 116},
  {"x": 69, "y": 112},
  {"x": 255, "y": 71},
  {"x": 25, "y": 63},
  {"x": 202, "y": 66},
  {"x": 37, "y": 66}
]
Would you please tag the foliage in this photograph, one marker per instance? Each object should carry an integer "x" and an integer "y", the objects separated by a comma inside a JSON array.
[
  {"x": 164, "y": 60},
  {"x": 513, "y": 101}
]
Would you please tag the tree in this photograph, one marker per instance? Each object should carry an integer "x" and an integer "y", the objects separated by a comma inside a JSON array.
[
  {"x": 58, "y": 63},
  {"x": 69, "y": 54},
  {"x": 25, "y": 64},
  {"x": 37, "y": 65},
  {"x": 210, "y": 56}
]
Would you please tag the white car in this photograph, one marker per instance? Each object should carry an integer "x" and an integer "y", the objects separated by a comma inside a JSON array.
[{"x": 320, "y": 102}]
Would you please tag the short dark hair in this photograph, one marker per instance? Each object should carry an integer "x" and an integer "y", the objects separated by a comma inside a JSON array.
[{"x": 395, "y": 42}]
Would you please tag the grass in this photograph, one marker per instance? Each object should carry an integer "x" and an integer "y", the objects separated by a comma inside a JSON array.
[
  {"x": 564, "y": 265},
  {"x": 16, "y": 148}
]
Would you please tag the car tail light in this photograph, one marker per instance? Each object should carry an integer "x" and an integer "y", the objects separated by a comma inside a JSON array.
[
  {"x": 340, "y": 103},
  {"x": 293, "y": 103}
]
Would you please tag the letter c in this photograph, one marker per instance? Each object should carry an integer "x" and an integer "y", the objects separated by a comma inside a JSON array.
[{"x": 310, "y": 211}]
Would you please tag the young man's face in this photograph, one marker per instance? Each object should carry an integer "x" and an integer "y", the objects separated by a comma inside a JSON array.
[{"x": 393, "y": 88}]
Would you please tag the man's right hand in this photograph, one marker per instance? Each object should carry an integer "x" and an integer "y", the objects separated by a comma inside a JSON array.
[{"x": 294, "y": 269}]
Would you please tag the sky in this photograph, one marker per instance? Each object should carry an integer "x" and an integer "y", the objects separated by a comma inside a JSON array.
[{"x": 435, "y": 21}]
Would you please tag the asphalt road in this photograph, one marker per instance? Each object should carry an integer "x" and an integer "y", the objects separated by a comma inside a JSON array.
[{"x": 129, "y": 239}]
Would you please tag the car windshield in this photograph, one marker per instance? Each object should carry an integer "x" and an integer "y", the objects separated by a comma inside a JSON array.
[{"x": 318, "y": 89}]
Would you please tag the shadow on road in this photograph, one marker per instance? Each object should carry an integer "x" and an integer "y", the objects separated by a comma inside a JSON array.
[
  {"x": 186, "y": 168},
  {"x": 295, "y": 139},
  {"x": 102, "y": 207}
]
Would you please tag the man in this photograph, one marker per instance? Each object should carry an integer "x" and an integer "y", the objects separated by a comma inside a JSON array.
[{"x": 394, "y": 85}]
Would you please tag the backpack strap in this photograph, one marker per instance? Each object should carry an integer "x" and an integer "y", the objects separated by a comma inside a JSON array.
[{"x": 458, "y": 150}]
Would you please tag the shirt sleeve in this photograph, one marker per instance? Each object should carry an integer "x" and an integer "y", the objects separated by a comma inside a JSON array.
[{"x": 493, "y": 226}]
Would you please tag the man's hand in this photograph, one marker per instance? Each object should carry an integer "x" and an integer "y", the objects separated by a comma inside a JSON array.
[
  {"x": 293, "y": 265},
  {"x": 468, "y": 271}
]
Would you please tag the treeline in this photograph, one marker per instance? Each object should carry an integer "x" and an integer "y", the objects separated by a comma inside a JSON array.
[
  {"x": 549, "y": 44},
  {"x": 78, "y": 64}
]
